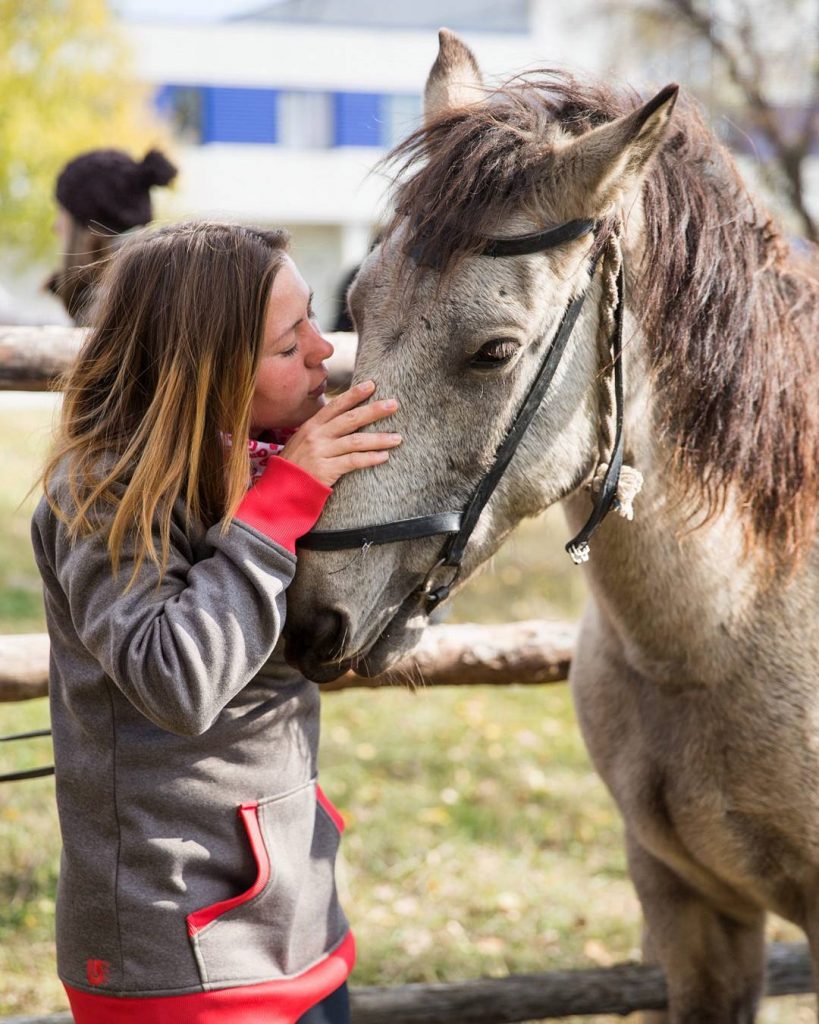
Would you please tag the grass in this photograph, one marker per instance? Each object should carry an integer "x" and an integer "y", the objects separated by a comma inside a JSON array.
[{"x": 479, "y": 840}]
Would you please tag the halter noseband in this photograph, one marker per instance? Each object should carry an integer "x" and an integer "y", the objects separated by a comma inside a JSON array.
[{"x": 460, "y": 525}]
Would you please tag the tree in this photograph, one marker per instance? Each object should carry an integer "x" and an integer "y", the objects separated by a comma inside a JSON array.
[
  {"x": 65, "y": 87},
  {"x": 765, "y": 63}
]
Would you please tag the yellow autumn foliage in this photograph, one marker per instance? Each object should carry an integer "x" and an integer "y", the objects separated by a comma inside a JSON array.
[{"x": 66, "y": 86}]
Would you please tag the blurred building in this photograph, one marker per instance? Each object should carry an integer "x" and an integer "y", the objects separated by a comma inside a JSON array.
[{"x": 281, "y": 115}]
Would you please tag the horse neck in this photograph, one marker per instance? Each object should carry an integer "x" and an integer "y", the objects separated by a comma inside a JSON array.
[
  {"x": 686, "y": 593},
  {"x": 667, "y": 583}
]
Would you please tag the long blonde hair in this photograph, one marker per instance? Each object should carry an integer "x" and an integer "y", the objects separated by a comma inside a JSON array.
[{"x": 168, "y": 368}]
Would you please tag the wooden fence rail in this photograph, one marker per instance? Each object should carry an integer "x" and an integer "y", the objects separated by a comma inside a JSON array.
[
  {"x": 32, "y": 358},
  {"x": 463, "y": 655},
  {"x": 619, "y": 990}
]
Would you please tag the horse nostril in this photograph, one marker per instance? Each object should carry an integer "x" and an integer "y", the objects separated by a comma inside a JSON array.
[
  {"x": 314, "y": 641},
  {"x": 328, "y": 634}
]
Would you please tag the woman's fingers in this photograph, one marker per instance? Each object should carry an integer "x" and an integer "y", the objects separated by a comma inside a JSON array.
[
  {"x": 357, "y": 460},
  {"x": 345, "y": 413},
  {"x": 362, "y": 443},
  {"x": 346, "y": 400},
  {"x": 351, "y": 420},
  {"x": 331, "y": 442}
]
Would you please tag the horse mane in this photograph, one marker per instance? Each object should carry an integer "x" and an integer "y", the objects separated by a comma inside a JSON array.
[{"x": 730, "y": 312}]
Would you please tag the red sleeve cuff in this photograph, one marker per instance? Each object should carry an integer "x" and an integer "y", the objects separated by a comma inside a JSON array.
[{"x": 284, "y": 503}]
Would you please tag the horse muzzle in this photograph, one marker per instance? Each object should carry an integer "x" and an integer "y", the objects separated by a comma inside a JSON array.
[{"x": 323, "y": 644}]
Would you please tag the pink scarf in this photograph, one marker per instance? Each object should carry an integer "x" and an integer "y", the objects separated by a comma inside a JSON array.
[{"x": 261, "y": 452}]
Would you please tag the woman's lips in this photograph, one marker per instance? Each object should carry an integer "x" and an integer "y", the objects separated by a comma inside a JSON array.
[{"x": 319, "y": 390}]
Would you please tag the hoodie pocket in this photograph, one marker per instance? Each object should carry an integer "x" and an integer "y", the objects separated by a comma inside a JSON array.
[{"x": 289, "y": 918}]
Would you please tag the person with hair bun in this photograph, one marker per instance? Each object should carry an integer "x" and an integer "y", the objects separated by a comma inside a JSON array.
[
  {"x": 195, "y": 446},
  {"x": 100, "y": 195}
]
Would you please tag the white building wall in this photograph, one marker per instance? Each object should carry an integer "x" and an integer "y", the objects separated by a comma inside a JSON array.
[{"x": 336, "y": 57}]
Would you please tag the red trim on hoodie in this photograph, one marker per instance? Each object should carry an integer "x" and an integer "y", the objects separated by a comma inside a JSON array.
[
  {"x": 249, "y": 813},
  {"x": 330, "y": 809},
  {"x": 284, "y": 503},
  {"x": 274, "y": 1002}
]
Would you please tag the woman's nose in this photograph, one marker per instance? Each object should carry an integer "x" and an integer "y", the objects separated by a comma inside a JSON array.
[{"x": 321, "y": 348}]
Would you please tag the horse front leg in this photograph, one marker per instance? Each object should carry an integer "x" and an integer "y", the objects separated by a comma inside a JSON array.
[
  {"x": 812, "y": 931},
  {"x": 714, "y": 964}
]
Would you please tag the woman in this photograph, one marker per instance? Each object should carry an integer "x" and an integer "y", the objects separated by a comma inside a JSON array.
[{"x": 196, "y": 881}]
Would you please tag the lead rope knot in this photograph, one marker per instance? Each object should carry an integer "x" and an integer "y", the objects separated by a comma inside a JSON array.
[{"x": 629, "y": 485}]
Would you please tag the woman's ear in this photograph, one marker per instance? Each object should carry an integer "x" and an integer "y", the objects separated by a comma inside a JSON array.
[
  {"x": 455, "y": 79},
  {"x": 603, "y": 165}
]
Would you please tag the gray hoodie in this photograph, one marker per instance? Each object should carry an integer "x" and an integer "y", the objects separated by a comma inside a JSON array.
[{"x": 197, "y": 873}]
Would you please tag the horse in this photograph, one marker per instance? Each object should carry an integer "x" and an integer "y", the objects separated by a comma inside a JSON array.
[{"x": 692, "y": 368}]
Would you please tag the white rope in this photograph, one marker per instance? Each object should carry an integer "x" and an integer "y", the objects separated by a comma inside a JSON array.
[{"x": 630, "y": 480}]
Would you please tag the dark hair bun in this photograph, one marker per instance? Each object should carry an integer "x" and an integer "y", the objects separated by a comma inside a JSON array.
[{"x": 156, "y": 169}]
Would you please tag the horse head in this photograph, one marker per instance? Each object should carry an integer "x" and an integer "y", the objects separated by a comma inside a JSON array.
[{"x": 458, "y": 332}]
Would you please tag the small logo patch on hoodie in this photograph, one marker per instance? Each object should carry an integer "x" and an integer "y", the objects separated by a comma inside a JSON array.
[{"x": 97, "y": 971}]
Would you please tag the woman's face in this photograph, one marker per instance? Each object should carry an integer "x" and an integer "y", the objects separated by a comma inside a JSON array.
[{"x": 292, "y": 377}]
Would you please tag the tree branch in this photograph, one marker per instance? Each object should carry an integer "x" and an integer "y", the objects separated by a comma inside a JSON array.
[{"x": 790, "y": 155}]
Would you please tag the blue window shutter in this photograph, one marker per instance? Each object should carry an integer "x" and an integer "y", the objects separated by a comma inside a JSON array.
[
  {"x": 239, "y": 115},
  {"x": 357, "y": 121}
]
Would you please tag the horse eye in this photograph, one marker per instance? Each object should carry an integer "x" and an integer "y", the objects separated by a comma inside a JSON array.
[{"x": 495, "y": 353}]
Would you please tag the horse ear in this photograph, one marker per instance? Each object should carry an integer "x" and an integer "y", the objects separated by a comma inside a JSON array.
[
  {"x": 609, "y": 161},
  {"x": 454, "y": 79}
]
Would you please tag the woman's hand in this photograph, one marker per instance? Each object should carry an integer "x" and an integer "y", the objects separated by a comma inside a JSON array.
[{"x": 327, "y": 445}]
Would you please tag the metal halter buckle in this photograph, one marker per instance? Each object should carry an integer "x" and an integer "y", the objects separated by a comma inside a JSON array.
[{"x": 434, "y": 596}]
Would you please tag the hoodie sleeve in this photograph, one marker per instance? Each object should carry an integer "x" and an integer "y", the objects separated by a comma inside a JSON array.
[
  {"x": 284, "y": 503},
  {"x": 181, "y": 648}
]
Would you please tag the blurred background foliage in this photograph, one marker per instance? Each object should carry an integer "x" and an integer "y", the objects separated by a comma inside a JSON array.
[{"x": 66, "y": 86}]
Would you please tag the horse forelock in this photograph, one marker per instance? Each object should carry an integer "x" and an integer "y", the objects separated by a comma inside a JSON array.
[{"x": 730, "y": 314}]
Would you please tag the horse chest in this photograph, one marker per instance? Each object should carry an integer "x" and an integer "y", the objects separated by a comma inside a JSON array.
[
  {"x": 735, "y": 846},
  {"x": 706, "y": 786}
]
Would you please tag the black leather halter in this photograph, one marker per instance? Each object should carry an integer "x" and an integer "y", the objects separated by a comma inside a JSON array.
[{"x": 460, "y": 525}]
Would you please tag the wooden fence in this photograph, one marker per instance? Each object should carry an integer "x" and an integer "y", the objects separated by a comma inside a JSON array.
[
  {"x": 31, "y": 359},
  {"x": 618, "y": 990},
  {"x": 465, "y": 655}
]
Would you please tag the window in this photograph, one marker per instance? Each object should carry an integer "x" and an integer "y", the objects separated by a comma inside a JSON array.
[
  {"x": 182, "y": 106},
  {"x": 305, "y": 120},
  {"x": 296, "y": 119}
]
